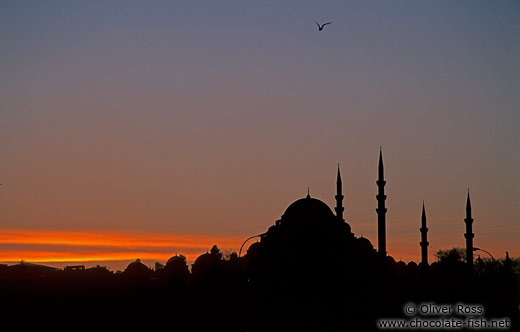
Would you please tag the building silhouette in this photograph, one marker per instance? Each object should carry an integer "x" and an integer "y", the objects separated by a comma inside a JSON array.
[
  {"x": 469, "y": 234},
  {"x": 424, "y": 238},
  {"x": 310, "y": 255},
  {"x": 339, "y": 197},
  {"x": 381, "y": 209},
  {"x": 309, "y": 217},
  {"x": 308, "y": 272}
]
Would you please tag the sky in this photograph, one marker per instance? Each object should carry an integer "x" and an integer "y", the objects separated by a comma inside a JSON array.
[{"x": 197, "y": 123}]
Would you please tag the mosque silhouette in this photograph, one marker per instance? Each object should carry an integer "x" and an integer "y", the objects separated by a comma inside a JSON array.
[
  {"x": 310, "y": 219},
  {"x": 307, "y": 272},
  {"x": 316, "y": 275}
]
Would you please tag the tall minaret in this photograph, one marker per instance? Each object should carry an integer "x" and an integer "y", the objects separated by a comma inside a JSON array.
[
  {"x": 469, "y": 233},
  {"x": 339, "y": 197},
  {"x": 424, "y": 238},
  {"x": 381, "y": 209}
]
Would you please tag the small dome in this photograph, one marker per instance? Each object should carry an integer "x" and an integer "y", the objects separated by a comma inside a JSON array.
[
  {"x": 176, "y": 260},
  {"x": 137, "y": 268},
  {"x": 203, "y": 259},
  {"x": 401, "y": 265},
  {"x": 412, "y": 265},
  {"x": 308, "y": 208},
  {"x": 364, "y": 243},
  {"x": 176, "y": 267}
]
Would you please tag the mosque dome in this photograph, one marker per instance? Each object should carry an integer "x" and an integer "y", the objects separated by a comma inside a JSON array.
[
  {"x": 308, "y": 208},
  {"x": 364, "y": 244},
  {"x": 137, "y": 269},
  {"x": 176, "y": 267},
  {"x": 176, "y": 261}
]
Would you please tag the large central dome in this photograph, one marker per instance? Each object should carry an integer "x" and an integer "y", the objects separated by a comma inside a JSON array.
[
  {"x": 308, "y": 208},
  {"x": 307, "y": 220}
]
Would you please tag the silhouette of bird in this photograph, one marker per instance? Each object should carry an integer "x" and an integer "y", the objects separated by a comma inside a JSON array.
[{"x": 320, "y": 27}]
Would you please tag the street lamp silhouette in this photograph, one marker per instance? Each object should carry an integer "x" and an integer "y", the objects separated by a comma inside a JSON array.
[
  {"x": 475, "y": 249},
  {"x": 249, "y": 238}
]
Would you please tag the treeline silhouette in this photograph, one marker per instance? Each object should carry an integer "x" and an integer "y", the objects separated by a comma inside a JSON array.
[{"x": 304, "y": 288}]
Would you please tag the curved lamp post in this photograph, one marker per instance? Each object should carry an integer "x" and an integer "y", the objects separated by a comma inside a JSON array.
[
  {"x": 249, "y": 238},
  {"x": 493, "y": 258}
]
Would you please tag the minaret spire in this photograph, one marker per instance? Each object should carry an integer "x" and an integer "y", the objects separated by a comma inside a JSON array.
[
  {"x": 339, "y": 197},
  {"x": 469, "y": 234},
  {"x": 381, "y": 209},
  {"x": 380, "y": 167},
  {"x": 424, "y": 240}
]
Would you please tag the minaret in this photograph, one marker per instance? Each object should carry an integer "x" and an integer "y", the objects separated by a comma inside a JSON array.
[
  {"x": 339, "y": 197},
  {"x": 381, "y": 209},
  {"x": 469, "y": 234},
  {"x": 424, "y": 238}
]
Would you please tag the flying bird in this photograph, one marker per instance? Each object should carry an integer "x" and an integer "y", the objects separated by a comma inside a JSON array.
[{"x": 320, "y": 27}]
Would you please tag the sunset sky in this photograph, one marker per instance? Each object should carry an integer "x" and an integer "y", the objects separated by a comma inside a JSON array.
[{"x": 133, "y": 129}]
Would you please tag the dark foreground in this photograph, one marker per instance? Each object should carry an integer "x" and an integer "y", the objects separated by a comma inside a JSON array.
[{"x": 254, "y": 294}]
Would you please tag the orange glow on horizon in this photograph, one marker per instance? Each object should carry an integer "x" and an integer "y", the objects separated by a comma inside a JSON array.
[
  {"x": 112, "y": 239},
  {"x": 84, "y": 246},
  {"x": 51, "y": 246},
  {"x": 57, "y": 257}
]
